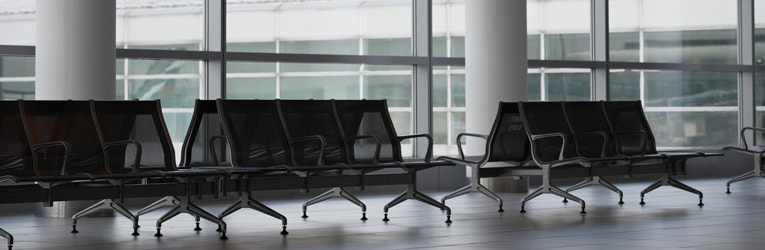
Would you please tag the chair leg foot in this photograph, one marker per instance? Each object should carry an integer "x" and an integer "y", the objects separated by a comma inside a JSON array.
[
  {"x": 223, "y": 236},
  {"x": 523, "y": 210},
  {"x": 364, "y": 216},
  {"x": 74, "y": 229},
  {"x": 565, "y": 200},
  {"x": 284, "y": 230},
  {"x": 304, "y": 215},
  {"x": 500, "y": 209},
  {"x": 158, "y": 234},
  {"x": 642, "y": 202},
  {"x": 621, "y": 201},
  {"x": 448, "y": 219},
  {"x": 197, "y": 228},
  {"x": 385, "y": 218}
]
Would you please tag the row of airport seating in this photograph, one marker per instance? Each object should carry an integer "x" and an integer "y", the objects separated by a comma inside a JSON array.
[
  {"x": 585, "y": 139},
  {"x": 116, "y": 150}
]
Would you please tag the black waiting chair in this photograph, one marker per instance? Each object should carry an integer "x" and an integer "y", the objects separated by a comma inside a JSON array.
[
  {"x": 751, "y": 148},
  {"x": 308, "y": 118},
  {"x": 633, "y": 137},
  {"x": 258, "y": 146},
  {"x": 553, "y": 147},
  {"x": 370, "y": 139},
  {"x": 506, "y": 145},
  {"x": 141, "y": 123}
]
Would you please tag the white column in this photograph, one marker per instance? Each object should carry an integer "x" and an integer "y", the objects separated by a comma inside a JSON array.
[
  {"x": 74, "y": 59},
  {"x": 75, "y": 51},
  {"x": 495, "y": 63}
]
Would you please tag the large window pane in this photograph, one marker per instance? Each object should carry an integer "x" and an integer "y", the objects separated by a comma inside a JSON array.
[
  {"x": 160, "y": 25},
  {"x": 449, "y": 28},
  {"x": 17, "y": 76},
  {"x": 678, "y": 31},
  {"x": 346, "y": 27},
  {"x": 674, "y": 129},
  {"x": 566, "y": 85},
  {"x": 691, "y": 89},
  {"x": 564, "y": 38}
]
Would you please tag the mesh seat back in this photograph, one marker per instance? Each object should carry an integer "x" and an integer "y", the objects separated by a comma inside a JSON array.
[
  {"x": 368, "y": 118},
  {"x": 205, "y": 143},
  {"x": 255, "y": 132},
  {"x": 139, "y": 121},
  {"x": 69, "y": 121},
  {"x": 309, "y": 118},
  {"x": 508, "y": 140},
  {"x": 588, "y": 123},
  {"x": 15, "y": 156},
  {"x": 545, "y": 118},
  {"x": 633, "y": 135}
]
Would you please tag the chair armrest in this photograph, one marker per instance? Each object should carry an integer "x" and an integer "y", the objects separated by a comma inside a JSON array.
[
  {"x": 754, "y": 131},
  {"x": 136, "y": 160},
  {"x": 462, "y": 135},
  {"x": 535, "y": 138},
  {"x": 429, "y": 152},
  {"x": 322, "y": 142},
  {"x": 376, "y": 157},
  {"x": 62, "y": 144},
  {"x": 600, "y": 134}
]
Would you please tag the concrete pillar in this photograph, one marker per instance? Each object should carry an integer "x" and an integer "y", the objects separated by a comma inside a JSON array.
[
  {"x": 75, "y": 49},
  {"x": 495, "y": 69},
  {"x": 74, "y": 59}
]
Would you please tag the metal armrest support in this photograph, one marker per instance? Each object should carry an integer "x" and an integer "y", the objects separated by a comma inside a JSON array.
[
  {"x": 319, "y": 138},
  {"x": 62, "y": 144},
  {"x": 561, "y": 158},
  {"x": 136, "y": 160},
  {"x": 429, "y": 152}
]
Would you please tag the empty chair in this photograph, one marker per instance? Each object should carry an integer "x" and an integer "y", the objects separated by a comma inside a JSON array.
[
  {"x": 258, "y": 145},
  {"x": 553, "y": 146},
  {"x": 633, "y": 137},
  {"x": 308, "y": 118},
  {"x": 756, "y": 151},
  {"x": 370, "y": 137},
  {"x": 506, "y": 145},
  {"x": 142, "y": 125}
]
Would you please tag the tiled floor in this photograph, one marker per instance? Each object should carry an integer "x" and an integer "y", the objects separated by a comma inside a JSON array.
[{"x": 670, "y": 219}]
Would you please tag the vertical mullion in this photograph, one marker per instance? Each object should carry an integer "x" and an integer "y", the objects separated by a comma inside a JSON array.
[
  {"x": 215, "y": 41},
  {"x": 423, "y": 73},
  {"x": 599, "y": 15},
  {"x": 746, "y": 57}
]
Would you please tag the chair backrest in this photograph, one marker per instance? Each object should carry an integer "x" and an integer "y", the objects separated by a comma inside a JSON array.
[
  {"x": 507, "y": 139},
  {"x": 590, "y": 129},
  {"x": 68, "y": 121},
  {"x": 139, "y": 121},
  {"x": 205, "y": 143},
  {"x": 15, "y": 156},
  {"x": 310, "y": 118},
  {"x": 633, "y": 135},
  {"x": 368, "y": 118},
  {"x": 255, "y": 132},
  {"x": 545, "y": 118}
]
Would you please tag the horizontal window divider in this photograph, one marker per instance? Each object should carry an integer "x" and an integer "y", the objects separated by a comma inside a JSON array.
[
  {"x": 323, "y": 58},
  {"x": 168, "y": 54},
  {"x": 681, "y": 66},
  {"x": 17, "y": 50},
  {"x": 448, "y": 61},
  {"x": 565, "y": 64},
  {"x": 692, "y": 109}
]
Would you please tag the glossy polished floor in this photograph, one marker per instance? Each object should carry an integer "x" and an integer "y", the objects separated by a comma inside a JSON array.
[{"x": 670, "y": 220}]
